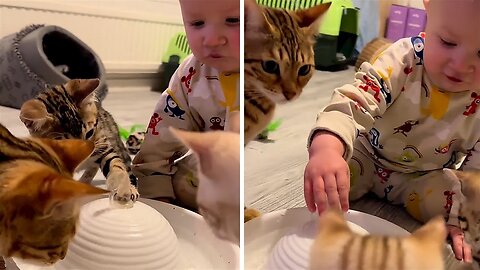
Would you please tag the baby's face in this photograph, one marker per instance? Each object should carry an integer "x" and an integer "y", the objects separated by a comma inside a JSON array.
[
  {"x": 213, "y": 32},
  {"x": 452, "y": 44}
]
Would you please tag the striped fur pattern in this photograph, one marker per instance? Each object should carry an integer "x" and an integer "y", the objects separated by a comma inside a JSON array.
[
  {"x": 279, "y": 59},
  {"x": 469, "y": 211},
  {"x": 38, "y": 210},
  {"x": 72, "y": 111},
  {"x": 336, "y": 247}
]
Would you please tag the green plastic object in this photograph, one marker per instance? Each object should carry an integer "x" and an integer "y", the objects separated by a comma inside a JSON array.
[
  {"x": 124, "y": 133},
  {"x": 270, "y": 128},
  {"x": 178, "y": 46},
  {"x": 341, "y": 15},
  {"x": 338, "y": 31}
]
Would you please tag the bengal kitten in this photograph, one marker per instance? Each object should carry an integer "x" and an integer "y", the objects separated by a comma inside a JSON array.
[
  {"x": 72, "y": 111},
  {"x": 279, "y": 59},
  {"x": 39, "y": 206},
  {"x": 337, "y": 247}
]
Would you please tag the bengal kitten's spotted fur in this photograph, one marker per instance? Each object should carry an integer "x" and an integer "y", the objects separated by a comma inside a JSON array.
[
  {"x": 38, "y": 206},
  {"x": 279, "y": 59},
  {"x": 337, "y": 247},
  {"x": 71, "y": 111}
]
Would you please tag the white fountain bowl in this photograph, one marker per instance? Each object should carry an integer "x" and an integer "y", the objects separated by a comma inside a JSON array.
[
  {"x": 292, "y": 251},
  {"x": 118, "y": 238},
  {"x": 199, "y": 248}
]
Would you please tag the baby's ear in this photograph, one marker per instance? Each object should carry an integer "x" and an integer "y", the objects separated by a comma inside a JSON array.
[
  {"x": 425, "y": 3},
  {"x": 34, "y": 115}
]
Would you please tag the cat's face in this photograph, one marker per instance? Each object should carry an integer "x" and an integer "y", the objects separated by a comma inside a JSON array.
[
  {"x": 38, "y": 206},
  {"x": 279, "y": 58},
  {"x": 218, "y": 195},
  {"x": 62, "y": 112}
]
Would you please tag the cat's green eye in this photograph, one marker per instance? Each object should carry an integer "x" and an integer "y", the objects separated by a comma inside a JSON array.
[
  {"x": 271, "y": 66},
  {"x": 304, "y": 70}
]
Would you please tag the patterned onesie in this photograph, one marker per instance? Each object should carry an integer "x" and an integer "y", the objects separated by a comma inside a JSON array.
[
  {"x": 400, "y": 131},
  {"x": 198, "y": 98}
]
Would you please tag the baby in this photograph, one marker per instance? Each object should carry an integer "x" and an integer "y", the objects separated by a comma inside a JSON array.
[
  {"x": 201, "y": 93},
  {"x": 407, "y": 116}
]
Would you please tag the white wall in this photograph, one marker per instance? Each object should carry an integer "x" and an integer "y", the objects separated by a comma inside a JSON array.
[
  {"x": 130, "y": 36},
  {"x": 410, "y": 3}
]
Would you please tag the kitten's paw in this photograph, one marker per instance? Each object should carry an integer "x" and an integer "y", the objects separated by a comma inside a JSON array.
[
  {"x": 250, "y": 213},
  {"x": 125, "y": 194}
]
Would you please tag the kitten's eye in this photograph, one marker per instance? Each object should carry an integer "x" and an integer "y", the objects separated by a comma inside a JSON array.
[
  {"x": 89, "y": 134},
  {"x": 271, "y": 66},
  {"x": 304, "y": 70}
]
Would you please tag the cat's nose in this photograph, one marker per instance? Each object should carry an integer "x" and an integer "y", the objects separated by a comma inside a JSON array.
[{"x": 289, "y": 95}]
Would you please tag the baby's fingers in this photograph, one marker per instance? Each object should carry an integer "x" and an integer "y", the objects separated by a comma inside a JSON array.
[
  {"x": 308, "y": 192},
  {"x": 461, "y": 249},
  {"x": 343, "y": 187},
  {"x": 332, "y": 191},
  {"x": 320, "y": 197}
]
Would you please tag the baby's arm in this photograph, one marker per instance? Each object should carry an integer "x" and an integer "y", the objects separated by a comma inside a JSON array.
[
  {"x": 153, "y": 165},
  {"x": 352, "y": 112},
  {"x": 326, "y": 180}
]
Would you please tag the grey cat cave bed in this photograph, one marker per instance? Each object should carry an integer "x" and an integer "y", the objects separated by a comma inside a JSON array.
[{"x": 41, "y": 55}]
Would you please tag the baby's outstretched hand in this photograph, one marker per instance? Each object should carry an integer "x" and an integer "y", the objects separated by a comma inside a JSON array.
[
  {"x": 461, "y": 248},
  {"x": 326, "y": 177}
]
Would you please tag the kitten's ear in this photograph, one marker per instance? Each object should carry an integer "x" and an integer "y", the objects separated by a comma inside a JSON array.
[
  {"x": 34, "y": 115},
  {"x": 79, "y": 89},
  {"x": 432, "y": 232},
  {"x": 233, "y": 123},
  {"x": 310, "y": 18},
  {"x": 255, "y": 22},
  {"x": 57, "y": 189},
  {"x": 200, "y": 143},
  {"x": 333, "y": 221},
  {"x": 71, "y": 151}
]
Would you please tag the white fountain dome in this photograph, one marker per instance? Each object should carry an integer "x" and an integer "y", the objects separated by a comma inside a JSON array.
[{"x": 121, "y": 238}]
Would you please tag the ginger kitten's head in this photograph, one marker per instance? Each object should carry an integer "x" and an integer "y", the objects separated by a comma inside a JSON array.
[
  {"x": 218, "y": 196},
  {"x": 39, "y": 207},
  {"x": 63, "y": 111},
  {"x": 336, "y": 246},
  {"x": 279, "y": 59}
]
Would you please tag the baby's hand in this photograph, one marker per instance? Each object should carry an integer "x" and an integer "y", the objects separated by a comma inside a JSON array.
[
  {"x": 326, "y": 177},
  {"x": 461, "y": 248}
]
